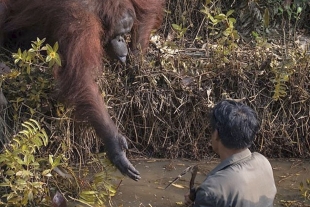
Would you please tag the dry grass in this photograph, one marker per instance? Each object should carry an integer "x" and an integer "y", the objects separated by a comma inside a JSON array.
[
  {"x": 162, "y": 103},
  {"x": 164, "y": 111}
]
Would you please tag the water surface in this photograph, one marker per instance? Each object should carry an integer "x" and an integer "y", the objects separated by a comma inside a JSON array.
[{"x": 156, "y": 175}]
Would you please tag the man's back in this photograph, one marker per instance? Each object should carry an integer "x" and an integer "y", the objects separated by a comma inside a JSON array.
[{"x": 244, "y": 179}]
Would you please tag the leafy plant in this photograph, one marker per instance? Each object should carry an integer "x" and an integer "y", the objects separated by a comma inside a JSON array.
[
  {"x": 31, "y": 82},
  {"x": 180, "y": 30},
  {"x": 34, "y": 55},
  {"x": 222, "y": 28},
  {"x": 284, "y": 68},
  {"x": 31, "y": 171},
  {"x": 282, "y": 71},
  {"x": 293, "y": 11},
  {"x": 99, "y": 188},
  {"x": 29, "y": 176},
  {"x": 290, "y": 11},
  {"x": 25, "y": 175}
]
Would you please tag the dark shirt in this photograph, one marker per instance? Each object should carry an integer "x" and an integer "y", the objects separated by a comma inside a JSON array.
[{"x": 244, "y": 179}]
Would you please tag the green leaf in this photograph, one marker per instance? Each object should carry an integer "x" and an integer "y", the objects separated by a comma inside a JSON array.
[
  {"x": 220, "y": 17},
  {"x": 50, "y": 159},
  {"x": 48, "y": 58},
  {"x": 226, "y": 33},
  {"x": 44, "y": 138},
  {"x": 49, "y": 49},
  {"x": 37, "y": 141},
  {"x": 89, "y": 192},
  {"x": 24, "y": 173},
  {"x": 299, "y": 9},
  {"x": 30, "y": 195},
  {"x": 232, "y": 21},
  {"x": 16, "y": 60},
  {"x": 30, "y": 127},
  {"x": 5, "y": 185},
  {"x": 46, "y": 172},
  {"x": 12, "y": 198},
  {"x": 55, "y": 48},
  {"x": 213, "y": 20},
  {"x": 176, "y": 27},
  {"x": 229, "y": 12},
  {"x": 26, "y": 160},
  {"x": 56, "y": 161},
  {"x": 37, "y": 184},
  {"x": 266, "y": 18},
  {"x": 34, "y": 163},
  {"x": 3, "y": 158},
  {"x": 10, "y": 172},
  {"x": 51, "y": 63},
  {"x": 19, "y": 161},
  {"x": 39, "y": 42},
  {"x": 58, "y": 60}
]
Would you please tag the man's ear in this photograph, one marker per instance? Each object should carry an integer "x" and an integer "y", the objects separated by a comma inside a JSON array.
[{"x": 216, "y": 134}]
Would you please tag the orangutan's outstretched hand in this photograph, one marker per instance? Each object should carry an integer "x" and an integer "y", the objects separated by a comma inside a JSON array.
[{"x": 116, "y": 151}]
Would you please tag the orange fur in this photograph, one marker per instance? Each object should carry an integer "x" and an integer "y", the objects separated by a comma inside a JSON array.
[{"x": 82, "y": 28}]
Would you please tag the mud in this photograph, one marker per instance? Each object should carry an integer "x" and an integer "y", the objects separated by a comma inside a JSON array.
[{"x": 157, "y": 174}]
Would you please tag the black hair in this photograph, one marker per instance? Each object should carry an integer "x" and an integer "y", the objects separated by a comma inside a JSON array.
[{"x": 236, "y": 123}]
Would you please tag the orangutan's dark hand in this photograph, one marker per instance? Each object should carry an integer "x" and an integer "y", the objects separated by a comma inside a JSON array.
[{"x": 116, "y": 152}]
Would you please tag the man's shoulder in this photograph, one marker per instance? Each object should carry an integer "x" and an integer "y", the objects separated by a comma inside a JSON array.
[
  {"x": 257, "y": 154},
  {"x": 261, "y": 159},
  {"x": 255, "y": 164}
]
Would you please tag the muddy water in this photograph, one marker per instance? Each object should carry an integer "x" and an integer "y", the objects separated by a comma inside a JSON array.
[{"x": 156, "y": 175}]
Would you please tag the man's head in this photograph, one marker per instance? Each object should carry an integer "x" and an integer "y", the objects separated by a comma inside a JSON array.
[{"x": 235, "y": 124}]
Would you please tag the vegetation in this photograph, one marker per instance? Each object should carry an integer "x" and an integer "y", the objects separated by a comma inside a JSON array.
[
  {"x": 253, "y": 51},
  {"x": 24, "y": 174},
  {"x": 32, "y": 169},
  {"x": 163, "y": 104},
  {"x": 305, "y": 189}
]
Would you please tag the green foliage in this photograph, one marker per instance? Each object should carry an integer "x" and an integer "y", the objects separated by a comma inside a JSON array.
[
  {"x": 180, "y": 30},
  {"x": 29, "y": 176},
  {"x": 34, "y": 55},
  {"x": 32, "y": 170},
  {"x": 282, "y": 71},
  {"x": 31, "y": 82},
  {"x": 293, "y": 11},
  {"x": 284, "y": 68},
  {"x": 24, "y": 173},
  {"x": 93, "y": 186},
  {"x": 290, "y": 11},
  {"x": 100, "y": 187},
  {"x": 223, "y": 30},
  {"x": 261, "y": 42}
]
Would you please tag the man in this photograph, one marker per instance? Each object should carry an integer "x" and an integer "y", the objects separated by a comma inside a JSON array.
[{"x": 242, "y": 178}]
